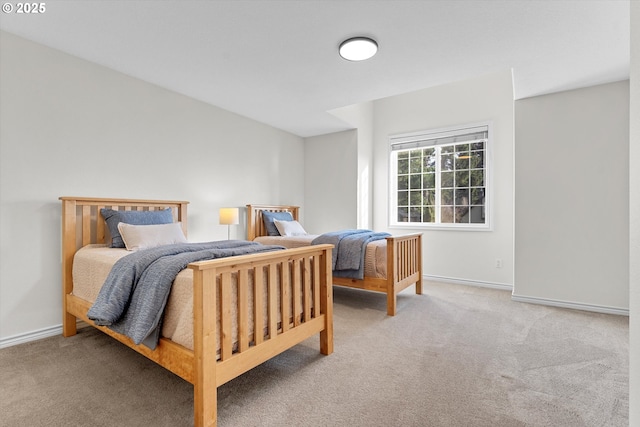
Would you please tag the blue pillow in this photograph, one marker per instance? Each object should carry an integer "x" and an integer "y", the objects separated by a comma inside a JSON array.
[
  {"x": 269, "y": 217},
  {"x": 113, "y": 217}
]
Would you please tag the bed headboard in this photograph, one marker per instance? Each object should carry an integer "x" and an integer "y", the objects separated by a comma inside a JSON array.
[
  {"x": 255, "y": 225},
  {"x": 82, "y": 223}
]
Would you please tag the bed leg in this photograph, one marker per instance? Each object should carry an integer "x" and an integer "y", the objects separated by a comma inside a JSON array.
[
  {"x": 419, "y": 286},
  {"x": 205, "y": 407},
  {"x": 69, "y": 327},
  {"x": 326, "y": 341},
  {"x": 391, "y": 301}
]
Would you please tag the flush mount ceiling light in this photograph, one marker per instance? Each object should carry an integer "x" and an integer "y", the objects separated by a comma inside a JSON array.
[{"x": 358, "y": 48}]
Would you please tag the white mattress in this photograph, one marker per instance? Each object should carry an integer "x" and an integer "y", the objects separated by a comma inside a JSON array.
[{"x": 375, "y": 257}]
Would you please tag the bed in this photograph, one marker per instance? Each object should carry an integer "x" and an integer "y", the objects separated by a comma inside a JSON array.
[
  {"x": 401, "y": 256},
  {"x": 296, "y": 281}
]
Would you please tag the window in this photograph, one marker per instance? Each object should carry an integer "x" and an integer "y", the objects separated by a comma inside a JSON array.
[{"x": 440, "y": 178}]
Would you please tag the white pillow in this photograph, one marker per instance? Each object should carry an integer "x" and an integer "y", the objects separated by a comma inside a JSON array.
[
  {"x": 148, "y": 236},
  {"x": 289, "y": 228}
]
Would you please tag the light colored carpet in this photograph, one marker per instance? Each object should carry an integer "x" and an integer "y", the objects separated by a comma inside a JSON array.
[{"x": 456, "y": 356}]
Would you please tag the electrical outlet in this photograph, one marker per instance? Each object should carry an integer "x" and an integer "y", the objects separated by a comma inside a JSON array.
[{"x": 498, "y": 263}]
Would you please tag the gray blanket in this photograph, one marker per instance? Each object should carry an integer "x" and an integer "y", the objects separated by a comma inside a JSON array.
[
  {"x": 349, "y": 250},
  {"x": 134, "y": 295}
]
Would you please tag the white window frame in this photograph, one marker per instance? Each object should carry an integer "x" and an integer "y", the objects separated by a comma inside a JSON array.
[{"x": 432, "y": 137}]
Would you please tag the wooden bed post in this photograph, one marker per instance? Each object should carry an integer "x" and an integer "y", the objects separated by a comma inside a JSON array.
[
  {"x": 205, "y": 394},
  {"x": 68, "y": 250},
  {"x": 326, "y": 303},
  {"x": 392, "y": 268},
  {"x": 418, "y": 262},
  {"x": 182, "y": 217}
]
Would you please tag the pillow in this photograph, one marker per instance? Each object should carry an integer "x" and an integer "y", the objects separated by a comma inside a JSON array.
[
  {"x": 289, "y": 228},
  {"x": 137, "y": 237},
  {"x": 113, "y": 217},
  {"x": 269, "y": 217}
]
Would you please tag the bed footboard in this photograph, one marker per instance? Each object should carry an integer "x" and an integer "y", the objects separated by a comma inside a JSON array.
[
  {"x": 299, "y": 305},
  {"x": 404, "y": 266},
  {"x": 404, "y": 258}
]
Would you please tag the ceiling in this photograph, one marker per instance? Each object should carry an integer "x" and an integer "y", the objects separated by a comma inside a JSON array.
[{"x": 277, "y": 61}]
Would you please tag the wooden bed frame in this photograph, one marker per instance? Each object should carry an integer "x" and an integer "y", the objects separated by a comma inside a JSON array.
[
  {"x": 404, "y": 258},
  {"x": 309, "y": 268}
]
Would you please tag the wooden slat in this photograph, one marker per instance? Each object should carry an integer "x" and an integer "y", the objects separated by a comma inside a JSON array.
[
  {"x": 297, "y": 292},
  {"x": 400, "y": 262},
  {"x": 100, "y": 226},
  {"x": 226, "y": 309},
  {"x": 307, "y": 289},
  {"x": 272, "y": 312},
  {"x": 285, "y": 295},
  {"x": 316, "y": 288},
  {"x": 86, "y": 225},
  {"x": 243, "y": 310},
  {"x": 258, "y": 315}
]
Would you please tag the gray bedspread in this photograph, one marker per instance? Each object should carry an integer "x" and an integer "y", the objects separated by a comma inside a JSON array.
[
  {"x": 134, "y": 295},
  {"x": 349, "y": 250}
]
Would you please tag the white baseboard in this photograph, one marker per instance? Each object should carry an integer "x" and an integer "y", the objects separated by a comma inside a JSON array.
[
  {"x": 532, "y": 300},
  {"x": 572, "y": 305},
  {"x": 502, "y": 286},
  {"x": 31, "y": 336}
]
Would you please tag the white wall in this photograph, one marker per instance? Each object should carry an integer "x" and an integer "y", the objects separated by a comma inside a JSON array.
[
  {"x": 634, "y": 202},
  {"x": 72, "y": 128},
  {"x": 331, "y": 176},
  {"x": 572, "y": 197},
  {"x": 452, "y": 254},
  {"x": 360, "y": 116}
]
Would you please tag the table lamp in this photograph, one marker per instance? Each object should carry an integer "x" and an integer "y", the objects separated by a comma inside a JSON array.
[{"x": 229, "y": 217}]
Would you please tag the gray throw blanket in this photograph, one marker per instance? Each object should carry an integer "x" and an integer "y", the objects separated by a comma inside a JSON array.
[
  {"x": 349, "y": 250},
  {"x": 134, "y": 295}
]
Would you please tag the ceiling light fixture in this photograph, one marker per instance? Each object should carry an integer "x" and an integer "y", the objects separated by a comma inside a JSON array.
[{"x": 358, "y": 48}]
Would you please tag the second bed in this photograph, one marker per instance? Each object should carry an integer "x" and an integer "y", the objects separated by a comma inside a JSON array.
[{"x": 391, "y": 264}]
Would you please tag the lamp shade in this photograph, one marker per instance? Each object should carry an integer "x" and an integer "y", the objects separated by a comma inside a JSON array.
[{"x": 229, "y": 216}]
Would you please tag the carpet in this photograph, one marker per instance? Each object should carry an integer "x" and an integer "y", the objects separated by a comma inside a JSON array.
[{"x": 455, "y": 356}]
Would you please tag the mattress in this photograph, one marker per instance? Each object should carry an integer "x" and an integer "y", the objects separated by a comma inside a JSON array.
[
  {"x": 375, "y": 257},
  {"x": 92, "y": 264}
]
